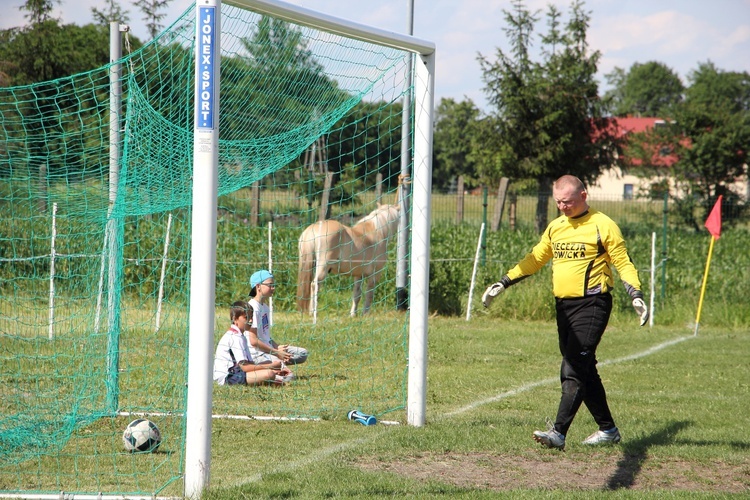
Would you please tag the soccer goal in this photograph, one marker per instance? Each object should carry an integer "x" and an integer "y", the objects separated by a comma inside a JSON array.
[{"x": 138, "y": 199}]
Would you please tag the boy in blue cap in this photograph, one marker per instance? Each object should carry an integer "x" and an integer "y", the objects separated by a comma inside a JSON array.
[{"x": 262, "y": 347}]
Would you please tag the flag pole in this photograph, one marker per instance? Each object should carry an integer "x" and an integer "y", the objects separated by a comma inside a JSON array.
[
  {"x": 713, "y": 224},
  {"x": 703, "y": 286}
]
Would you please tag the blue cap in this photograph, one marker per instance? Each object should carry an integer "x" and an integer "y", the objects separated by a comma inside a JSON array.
[{"x": 259, "y": 277}]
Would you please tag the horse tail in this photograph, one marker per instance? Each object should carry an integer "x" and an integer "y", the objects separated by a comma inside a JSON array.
[{"x": 306, "y": 268}]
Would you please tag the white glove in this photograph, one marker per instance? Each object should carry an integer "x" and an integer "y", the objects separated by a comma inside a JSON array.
[
  {"x": 641, "y": 310},
  {"x": 492, "y": 291}
]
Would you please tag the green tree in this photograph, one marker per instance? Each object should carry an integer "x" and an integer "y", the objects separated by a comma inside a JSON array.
[
  {"x": 649, "y": 89},
  {"x": 29, "y": 52},
  {"x": 709, "y": 135},
  {"x": 545, "y": 113},
  {"x": 112, "y": 12},
  {"x": 290, "y": 92},
  {"x": 616, "y": 94},
  {"x": 38, "y": 11},
  {"x": 454, "y": 126},
  {"x": 279, "y": 73},
  {"x": 365, "y": 142},
  {"x": 152, "y": 14},
  {"x": 57, "y": 125},
  {"x": 45, "y": 50},
  {"x": 712, "y": 87}
]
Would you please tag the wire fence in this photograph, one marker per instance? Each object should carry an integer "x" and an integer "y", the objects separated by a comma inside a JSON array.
[
  {"x": 521, "y": 210},
  {"x": 482, "y": 206},
  {"x": 518, "y": 211}
]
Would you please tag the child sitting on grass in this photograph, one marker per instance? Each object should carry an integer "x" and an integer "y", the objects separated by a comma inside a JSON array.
[
  {"x": 262, "y": 347},
  {"x": 233, "y": 364}
]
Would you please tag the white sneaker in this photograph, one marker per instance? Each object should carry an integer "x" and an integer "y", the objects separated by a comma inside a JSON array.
[
  {"x": 604, "y": 437},
  {"x": 285, "y": 379},
  {"x": 550, "y": 438}
]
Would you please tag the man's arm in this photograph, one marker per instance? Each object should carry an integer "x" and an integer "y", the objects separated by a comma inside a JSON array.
[
  {"x": 620, "y": 258},
  {"x": 618, "y": 254},
  {"x": 531, "y": 263}
]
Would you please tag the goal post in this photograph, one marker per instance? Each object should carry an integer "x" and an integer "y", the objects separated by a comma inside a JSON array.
[
  {"x": 420, "y": 253},
  {"x": 205, "y": 168},
  {"x": 203, "y": 244}
]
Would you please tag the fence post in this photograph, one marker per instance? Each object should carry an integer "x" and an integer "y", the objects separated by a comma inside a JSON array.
[
  {"x": 310, "y": 182},
  {"x": 484, "y": 222},
  {"x": 460, "y": 200},
  {"x": 378, "y": 187},
  {"x": 502, "y": 189},
  {"x": 298, "y": 182},
  {"x": 542, "y": 204},
  {"x": 324, "y": 211},
  {"x": 41, "y": 199},
  {"x": 254, "y": 203},
  {"x": 664, "y": 248}
]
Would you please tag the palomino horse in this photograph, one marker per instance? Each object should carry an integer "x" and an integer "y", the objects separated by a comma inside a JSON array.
[{"x": 329, "y": 247}]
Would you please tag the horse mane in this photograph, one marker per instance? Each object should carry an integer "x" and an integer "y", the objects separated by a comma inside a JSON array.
[
  {"x": 378, "y": 217},
  {"x": 371, "y": 215}
]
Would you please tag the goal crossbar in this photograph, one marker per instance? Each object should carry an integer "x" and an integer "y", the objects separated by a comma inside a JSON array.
[{"x": 331, "y": 24}]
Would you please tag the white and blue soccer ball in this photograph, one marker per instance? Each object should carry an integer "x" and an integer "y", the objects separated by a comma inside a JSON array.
[{"x": 141, "y": 435}]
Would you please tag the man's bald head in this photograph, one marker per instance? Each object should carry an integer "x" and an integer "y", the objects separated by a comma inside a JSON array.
[
  {"x": 570, "y": 195},
  {"x": 570, "y": 181}
]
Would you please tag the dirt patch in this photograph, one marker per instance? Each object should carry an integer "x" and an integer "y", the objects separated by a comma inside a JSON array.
[{"x": 560, "y": 472}]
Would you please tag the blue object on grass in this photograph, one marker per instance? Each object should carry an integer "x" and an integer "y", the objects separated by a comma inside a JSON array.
[{"x": 362, "y": 418}]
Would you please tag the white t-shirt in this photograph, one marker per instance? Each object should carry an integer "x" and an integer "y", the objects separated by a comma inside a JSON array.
[
  {"x": 262, "y": 324},
  {"x": 233, "y": 339}
]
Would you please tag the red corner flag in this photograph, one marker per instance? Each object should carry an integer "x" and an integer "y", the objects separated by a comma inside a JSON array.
[{"x": 713, "y": 223}]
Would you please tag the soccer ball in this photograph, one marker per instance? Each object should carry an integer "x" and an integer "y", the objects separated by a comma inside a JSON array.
[{"x": 141, "y": 435}]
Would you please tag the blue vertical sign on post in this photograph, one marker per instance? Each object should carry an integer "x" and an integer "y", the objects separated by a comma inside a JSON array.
[{"x": 206, "y": 62}]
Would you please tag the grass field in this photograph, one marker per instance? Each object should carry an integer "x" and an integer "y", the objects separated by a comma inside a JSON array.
[{"x": 679, "y": 400}]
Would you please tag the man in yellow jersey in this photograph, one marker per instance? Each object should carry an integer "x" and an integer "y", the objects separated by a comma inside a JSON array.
[{"x": 582, "y": 243}]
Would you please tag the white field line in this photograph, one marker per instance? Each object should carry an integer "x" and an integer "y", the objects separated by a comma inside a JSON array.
[
  {"x": 533, "y": 385},
  {"x": 375, "y": 432},
  {"x": 220, "y": 416},
  {"x": 311, "y": 459}
]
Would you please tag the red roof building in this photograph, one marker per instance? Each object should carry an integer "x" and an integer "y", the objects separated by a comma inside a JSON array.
[{"x": 617, "y": 183}]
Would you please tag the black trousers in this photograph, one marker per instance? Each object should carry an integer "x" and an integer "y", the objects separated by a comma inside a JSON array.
[{"x": 580, "y": 325}]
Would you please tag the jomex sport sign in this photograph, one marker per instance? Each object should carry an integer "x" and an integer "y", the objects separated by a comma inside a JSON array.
[{"x": 206, "y": 61}]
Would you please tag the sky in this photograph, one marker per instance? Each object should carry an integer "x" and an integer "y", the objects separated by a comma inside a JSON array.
[{"x": 679, "y": 33}]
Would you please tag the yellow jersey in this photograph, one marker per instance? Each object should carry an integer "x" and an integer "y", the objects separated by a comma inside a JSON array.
[{"x": 582, "y": 250}]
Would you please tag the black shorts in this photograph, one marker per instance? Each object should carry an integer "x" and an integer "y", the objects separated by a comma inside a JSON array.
[{"x": 236, "y": 377}]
